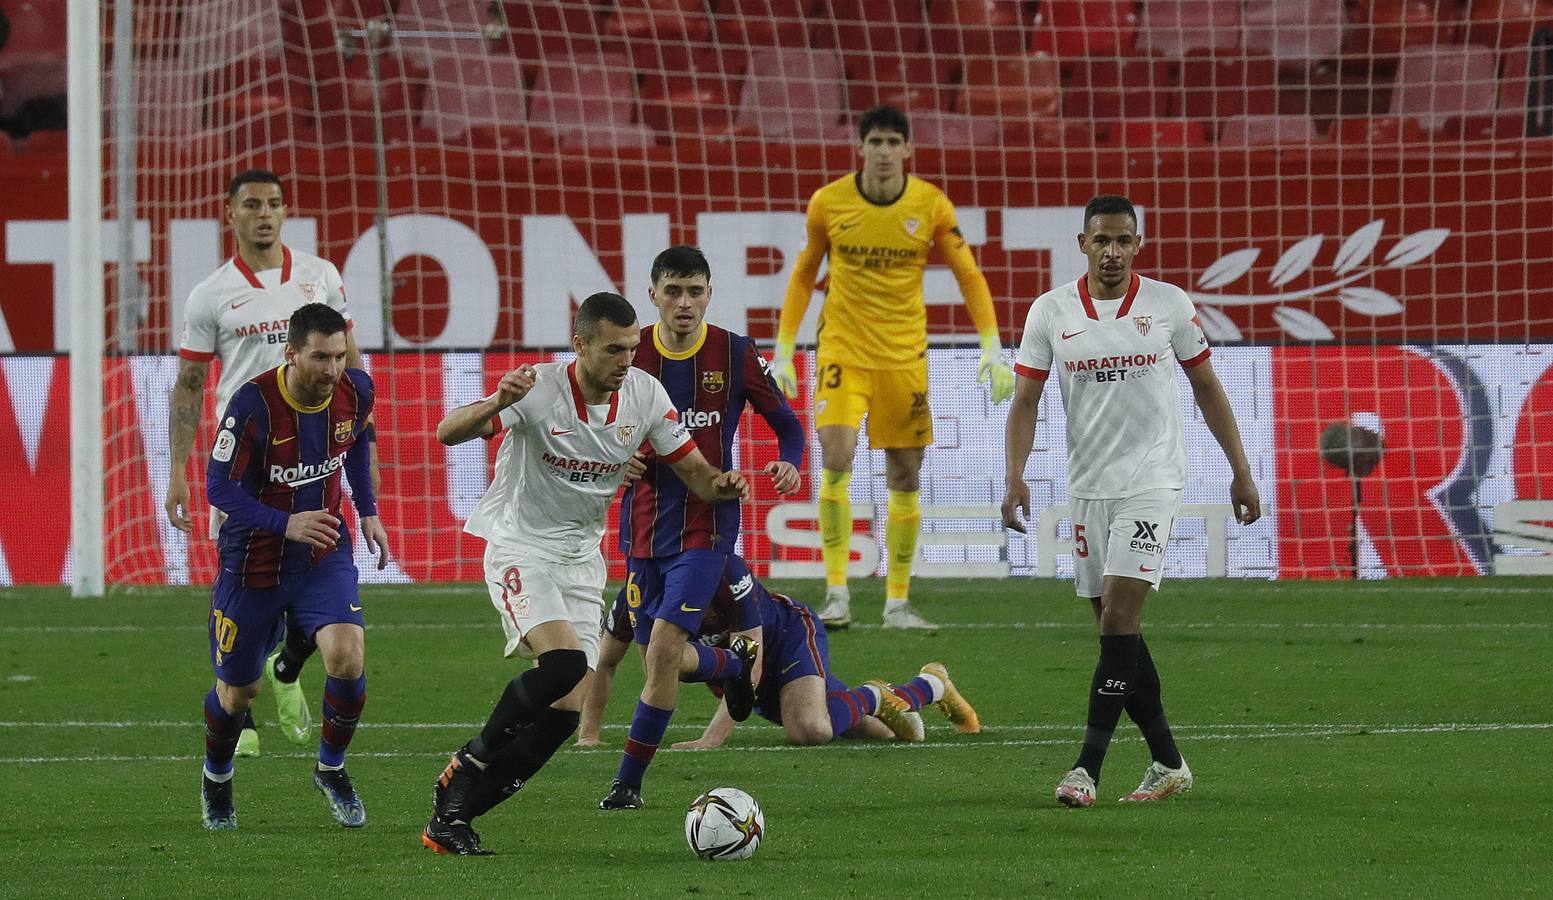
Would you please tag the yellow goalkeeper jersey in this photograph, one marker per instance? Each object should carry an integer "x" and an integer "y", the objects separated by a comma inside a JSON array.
[{"x": 874, "y": 315}]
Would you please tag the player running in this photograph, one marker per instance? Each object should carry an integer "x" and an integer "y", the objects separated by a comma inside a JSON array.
[
  {"x": 876, "y": 228},
  {"x": 274, "y": 470},
  {"x": 573, "y": 427},
  {"x": 797, "y": 689},
  {"x": 1115, "y": 340},
  {"x": 676, "y": 543},
  {"x": 239, "y": 315}
]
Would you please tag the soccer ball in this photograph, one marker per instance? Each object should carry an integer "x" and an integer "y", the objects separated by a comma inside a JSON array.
[{"x": 724, "y": 823}]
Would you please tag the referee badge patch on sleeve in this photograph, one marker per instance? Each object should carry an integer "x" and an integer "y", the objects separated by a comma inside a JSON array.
[{"x": 226, "y": 442}]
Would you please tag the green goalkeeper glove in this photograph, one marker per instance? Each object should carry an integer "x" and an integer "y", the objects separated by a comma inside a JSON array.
[
  {"x": 993, "y": 370},
  {"x": 782, "y": 368}
]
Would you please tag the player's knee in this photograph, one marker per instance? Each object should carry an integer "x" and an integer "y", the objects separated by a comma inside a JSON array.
[
  {"x": 236, "y": 698},
  {"x": 809, "y": 733},
  {"x": 566, "y": 669}
]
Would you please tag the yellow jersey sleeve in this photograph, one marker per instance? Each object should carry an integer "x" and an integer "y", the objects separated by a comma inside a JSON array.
[
  {"x": 962, "y": 262},
  {"x": 800, "y": 285}
]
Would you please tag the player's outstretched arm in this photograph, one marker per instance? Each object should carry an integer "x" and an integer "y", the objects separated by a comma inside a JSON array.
[
  {"x": 707, "y": 481},
  {"x": 183, "y": 421},
  {"x": 1018, "y": 438},
  {"x": 800, "y": 286},
  {"x": 716, "y": 733},
  {"x": 474, "y": 419},
  {"x": 1220, "y": 418},
  {"x": 611, "y": 651}
]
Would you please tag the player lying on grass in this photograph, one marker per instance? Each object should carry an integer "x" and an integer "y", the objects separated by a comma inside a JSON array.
[{"x": 796, "y": 688}]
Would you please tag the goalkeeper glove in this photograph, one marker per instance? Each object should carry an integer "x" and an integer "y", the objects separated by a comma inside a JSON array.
[
  {"x": 782, "y": 367},
  {"x": 993, "y": 370}
]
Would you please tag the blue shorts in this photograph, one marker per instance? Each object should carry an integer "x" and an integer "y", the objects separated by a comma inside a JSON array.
[
  {"x": 245, "y": 623},
  {"x": 796, "y": 648},
  {"x": 677, "y": 589}
]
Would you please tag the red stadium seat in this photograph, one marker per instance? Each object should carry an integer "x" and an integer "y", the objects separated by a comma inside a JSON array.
[
  {"x": 38, "y": 32},
  {"x": 878, "y": 29},
  {"x": 544, "y": 28},
  {"x": 907, "y": 82},
  {"x": 1261, "y": 131},
  {"x": 692, "y": 104},
  {"x": 1105, "y": 90},
  {"x": 1435, "y": 85},
  {"x": 1022, "y": 88},
  {"x": 1179, "y": 27},
  {"x": 1385, "y": 28},
  {"x": 1506, "y": 23},
  {"x": 941, "y": 129},
  {"x": 662, "y": 35},
  {"x": 1297, "y": 35},
  {"x": 1144, "y": 134},
  {"x": 766, "y": 23},
  {"x": 474, "y": 90},
  {"x": 1219, "y": 88},
  {"x": 967, "y": 32},
  {"x": 798, "y": 95},
  {"x": 1379, "y": 131},
  {"x": 1079, "y": 28},
  {"x": 587, "y": 92}
]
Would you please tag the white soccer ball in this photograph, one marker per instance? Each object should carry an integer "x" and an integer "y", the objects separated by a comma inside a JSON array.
[{"x": 724, "y": 823}]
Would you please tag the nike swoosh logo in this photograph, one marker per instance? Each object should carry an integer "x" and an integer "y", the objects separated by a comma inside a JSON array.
[
  {"x": 789, "y": 667},
  {"x": 843, "y": 226},
  {"x": 1111, "y": 693},
  {"x": 242, "y": 304},
  {"x": 1066, "y": 336},
  {"x": 355, "y": 608},
  {"x": 1147, "y": 569},
  {"x": 557, "y": 432},
  {"x": 276, "y": 442},
  {"x": 685, "y": 607}
]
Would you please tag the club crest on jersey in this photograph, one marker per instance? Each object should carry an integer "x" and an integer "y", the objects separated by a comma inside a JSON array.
[
  {"x": 342, "y": 431},
  {"x": 308, "y": 289},
  {"x": 625, "y": 432},
  {"x": 911, "y": 225},
  {"x": 713, "y": 382},
  {"x": 1143, "y": 323}
]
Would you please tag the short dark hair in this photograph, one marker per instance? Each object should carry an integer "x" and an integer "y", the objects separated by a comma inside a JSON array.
[
  {"x": 682, "y": 261},
  {"x": 1109, "y": 205},
  {"x": 603, "y": 306},
  {"x": 885, "y": 117},
  {"x": 313, "y": 318},
  {"x": 253, "y": 176}
]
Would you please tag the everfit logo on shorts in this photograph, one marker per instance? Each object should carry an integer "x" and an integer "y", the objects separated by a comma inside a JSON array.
[
  {"x": 695, "y": 418},
  {"x": 296, "y": 476},
  {"x": 1145, "y": 537}
]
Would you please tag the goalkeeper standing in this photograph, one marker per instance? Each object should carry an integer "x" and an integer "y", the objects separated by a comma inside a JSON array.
[{"x": 877, "y": 227}]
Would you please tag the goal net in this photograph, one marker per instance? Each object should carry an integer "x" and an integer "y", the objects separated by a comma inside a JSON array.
[{"x": 1359, "y": 199}]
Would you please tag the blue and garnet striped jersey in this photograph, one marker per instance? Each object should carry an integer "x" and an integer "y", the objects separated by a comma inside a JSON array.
[
  {"x": 709, "y": 385},
  {"x": 273, "y": 457}
]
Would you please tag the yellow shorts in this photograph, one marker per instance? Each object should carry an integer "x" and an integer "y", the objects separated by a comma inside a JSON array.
[{"x": 895, "y": 401}]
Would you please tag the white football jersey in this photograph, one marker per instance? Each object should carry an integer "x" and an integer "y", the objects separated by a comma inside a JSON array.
[
  {"x": 1116, "y": 362},
  {"x": 241, "y": 315},
  {"x": 559, "y": 467}
]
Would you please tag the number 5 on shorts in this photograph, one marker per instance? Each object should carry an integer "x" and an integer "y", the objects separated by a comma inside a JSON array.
[{"x": 1080, "y": 543}]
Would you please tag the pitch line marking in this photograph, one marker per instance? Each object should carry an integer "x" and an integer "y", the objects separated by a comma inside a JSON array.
[{"x": 1322, "y": 732}]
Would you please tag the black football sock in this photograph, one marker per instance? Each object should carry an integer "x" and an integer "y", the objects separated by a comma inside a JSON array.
[
  {"x": 523, "y": 758},
  {"x": 298, "y": 647},
  {"x": 1113, "y": 681},
  {"x": 526, "y": 697},
  {"x": 1147, "y": 709}
]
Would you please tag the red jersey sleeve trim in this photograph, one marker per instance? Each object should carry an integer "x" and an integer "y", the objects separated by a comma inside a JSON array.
[
  {"x": 677, "y": 455},
  {"x": 496, "y": 427},
  {"x": 1197, "y": 360},
  {"x": 1026, "y": 371},
  {"x": 195, "y": 355}
]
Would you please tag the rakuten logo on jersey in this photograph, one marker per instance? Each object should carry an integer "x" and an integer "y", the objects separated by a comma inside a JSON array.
[
  {"x": 695, "y": 418},
  {"x": 296, "y": 476}
]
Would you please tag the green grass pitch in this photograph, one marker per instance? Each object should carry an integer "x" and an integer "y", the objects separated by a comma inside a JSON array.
[{"x": 1381, "y": 738}]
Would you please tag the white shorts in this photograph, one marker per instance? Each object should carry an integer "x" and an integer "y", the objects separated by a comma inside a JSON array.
[
  {"x": 216, "y": 518},
  {"x": 1123, "y": 536},
  {"x": 528, "y": 592}
]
